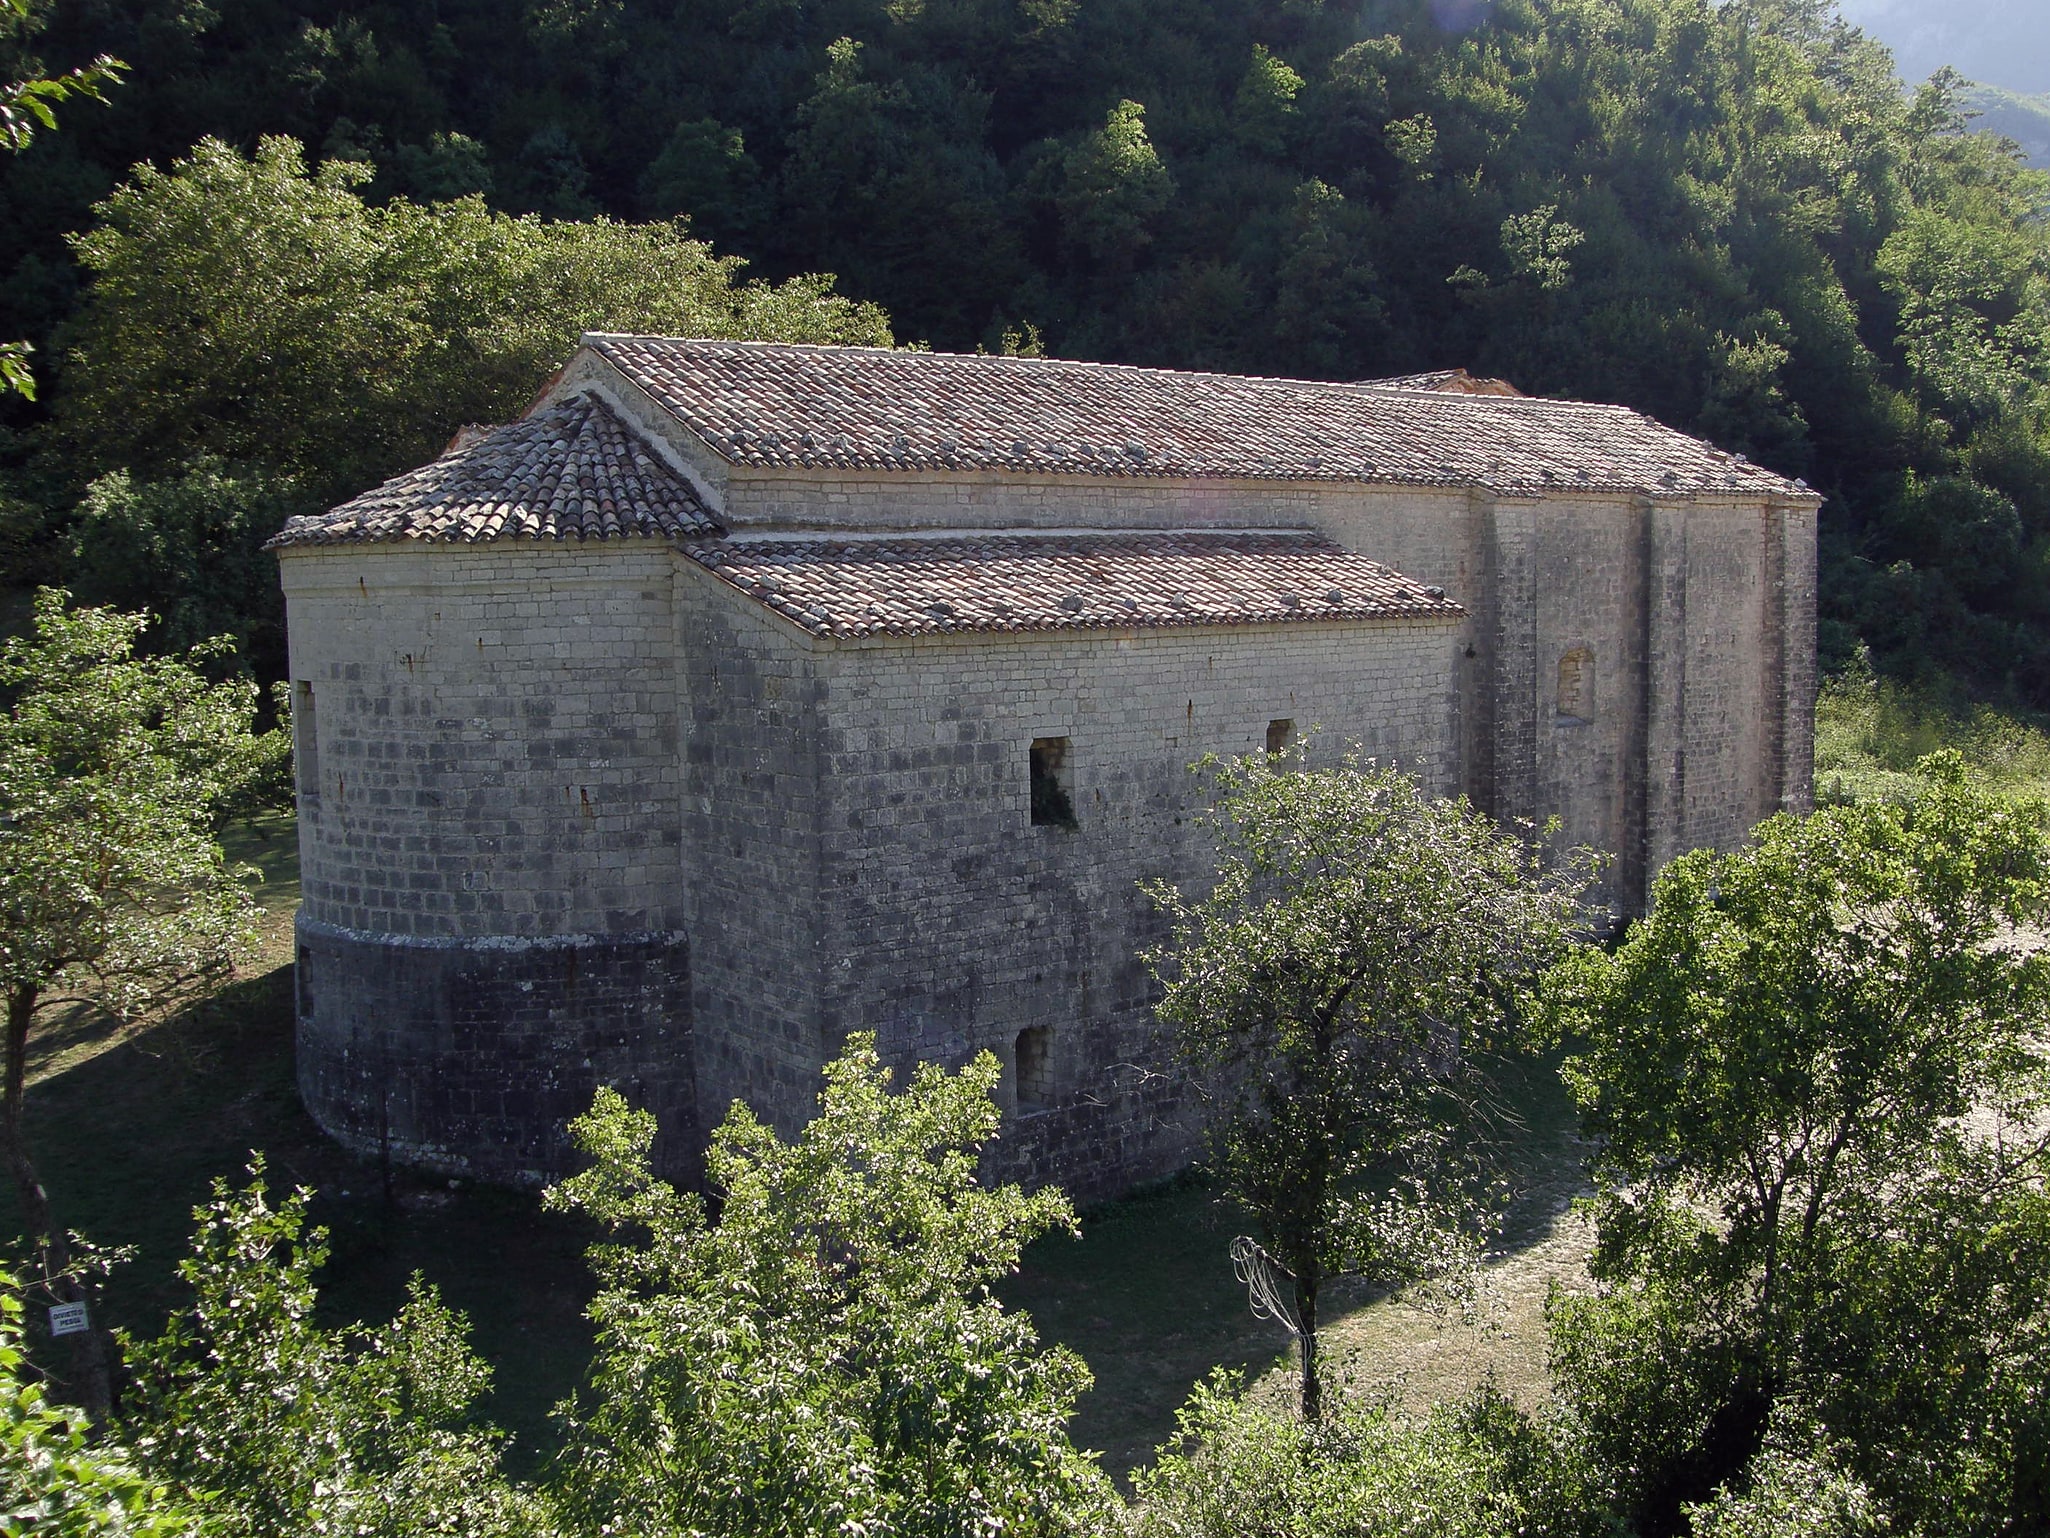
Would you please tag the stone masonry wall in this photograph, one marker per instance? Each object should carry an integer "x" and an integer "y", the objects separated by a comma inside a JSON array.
[
  {"x": 492, "y": 915},
  {"x": 469, "y": 1057},
  {"x": 748, "y": 692},
  {"x": 723, "y": 845},
  {"x": 951, "y": 924}
]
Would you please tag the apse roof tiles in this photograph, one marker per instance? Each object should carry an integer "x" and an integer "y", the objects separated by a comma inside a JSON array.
[
  {"x": 956, "y": 582},
  {"x": 572, "y": 470},
  {"x": 781, "y": 406}
]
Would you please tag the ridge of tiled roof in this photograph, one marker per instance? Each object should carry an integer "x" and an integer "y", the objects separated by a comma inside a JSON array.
[
  {"x": 935, "y": 584},
  {"x": 770, "y": 405},
  {"x": 572, "y": 470},
  {"x": 1450, "y": 381}
]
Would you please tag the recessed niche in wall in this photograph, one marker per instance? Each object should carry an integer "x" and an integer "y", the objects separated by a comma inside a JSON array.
[
  {"x": 1576, "y": 685},
  {"x": 305, "y": 740},
  {"x": 1279, "y": 735},
  {"x": 1033, "y": 1064},
  {"x": 1052, "y": 805}
]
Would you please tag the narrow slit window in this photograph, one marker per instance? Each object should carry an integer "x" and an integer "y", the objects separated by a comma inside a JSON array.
[
  {"x": 1280, "y": 735},
  {"x": 1052, "y": 804},
  {"x": 1033, "y": 1064},
  {"x": 305, "y": 740}
]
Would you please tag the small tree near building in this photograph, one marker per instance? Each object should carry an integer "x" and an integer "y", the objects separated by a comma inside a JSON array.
[
  {"x": 826, "y": 1356},
  {"x": 113, "y": 888},
  {"x": 1817, "y": 1083},
  {"x": 1334, "y": 997}
]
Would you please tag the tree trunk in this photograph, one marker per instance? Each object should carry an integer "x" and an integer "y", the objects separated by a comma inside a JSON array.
[
  {"x": 92, "y": 1378},
  {"x": 1306, "y": 1345}
]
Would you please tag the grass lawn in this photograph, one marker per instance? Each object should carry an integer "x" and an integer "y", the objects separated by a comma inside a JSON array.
[
  {"x": 1147, "y": 1297},
  {"x": 130, "y": 1126},
  {"x": 129, "y": 1129},
  {"x": 1869, "y": 732}
]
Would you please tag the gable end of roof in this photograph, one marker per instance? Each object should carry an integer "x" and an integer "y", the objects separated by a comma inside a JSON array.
[{"x": 570, "y": 470}]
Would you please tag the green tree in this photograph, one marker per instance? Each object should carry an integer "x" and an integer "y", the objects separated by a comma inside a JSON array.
[
  {"x": 898, "y": 174},
  {"x": 27, "y": 105},
  {"x": 113, "y": 887},
  {"x": 827, "y": 1355},
  {"x": 1335, "y": 995},
  {"x": 278, "y": 1426},
  {"x": 254, "y": 310},
  {"x": 1113, "y": 185},
  {"x": 1814, "y": 1080},
  {"x": 191, "y": 546},
  {"x": 53, "y": 1480},
  {"x": 1264, "y": 109}
]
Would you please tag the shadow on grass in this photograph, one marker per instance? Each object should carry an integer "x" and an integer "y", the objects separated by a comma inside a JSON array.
[
  {"x": 129, "y": 1140},
  {"x": 1148, "y": 1299}
]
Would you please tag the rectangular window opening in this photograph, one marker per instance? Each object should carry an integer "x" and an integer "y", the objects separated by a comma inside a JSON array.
[
  {"x": 1052, "y": 806},
  {"x": 1280, "y": 735},
  {"x": 305, "y": 741},
  {"x": 1033, "y": 1063}
]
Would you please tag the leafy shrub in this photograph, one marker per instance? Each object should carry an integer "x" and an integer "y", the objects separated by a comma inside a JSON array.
[
  {"x": 56, "y": 1481},
  {"x": 1870, "y": 732},
  {"x": 1242, "y": 1468},
  {"x": 281, "y": 1427},
  {"x": 827, "y": 1355}
]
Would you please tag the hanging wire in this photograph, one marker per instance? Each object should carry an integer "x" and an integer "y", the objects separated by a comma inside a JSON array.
[{"x": 1263, "y": 1277}]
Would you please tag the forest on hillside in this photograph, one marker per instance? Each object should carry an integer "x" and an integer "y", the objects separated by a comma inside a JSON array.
[{"x": 299, "y": 244}]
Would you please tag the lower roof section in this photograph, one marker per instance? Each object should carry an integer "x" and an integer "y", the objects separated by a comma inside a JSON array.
[{"x": 961, "y": 582}]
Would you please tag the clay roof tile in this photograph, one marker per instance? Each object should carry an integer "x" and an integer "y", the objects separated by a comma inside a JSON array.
[
  {"x": 961, "y": 581},
  {"x": 572, "y": 470}
]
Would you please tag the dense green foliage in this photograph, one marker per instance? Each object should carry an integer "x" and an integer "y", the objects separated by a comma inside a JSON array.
[
  {"x": 1729, "y": 216},
  {"x": 826, "y": 1356},
  {"x": 251, "y": 309},
  {"x": 1815, "y": 1083},
  {"x": 28, "y": 105},
  {"x": 1474, "y": 1469},
  {"x": 115, "y": 771},
  {"x": 1870, "y": 733},
  {"x": 274, "y": 1424},
  {"x": 259, "y": 340},
  {"x": 53, "y": 1480},
  {"x": 1335, "y": 995}
]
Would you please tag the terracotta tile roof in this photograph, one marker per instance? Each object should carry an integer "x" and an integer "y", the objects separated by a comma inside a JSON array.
[
  {"x": 787, "y": 406},
  {"x": 572, "y": 470},
  {"x": 933, "y": 584}
]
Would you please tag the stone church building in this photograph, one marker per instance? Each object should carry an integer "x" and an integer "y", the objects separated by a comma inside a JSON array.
[{"x": 741, "y": 696}]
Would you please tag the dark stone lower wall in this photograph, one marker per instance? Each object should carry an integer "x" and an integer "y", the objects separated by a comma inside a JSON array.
[
  {"x": 1099, "y": 1149},
  {"x": 469, "y": 1057}
]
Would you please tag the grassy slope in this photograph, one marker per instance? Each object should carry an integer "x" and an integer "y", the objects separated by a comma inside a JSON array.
[
  {"x": 1869, "y": 733},
  {"x": 130, "y": 1127}
]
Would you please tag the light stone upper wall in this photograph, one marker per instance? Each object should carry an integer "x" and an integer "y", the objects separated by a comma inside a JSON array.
[
  {"x": 1586, "y": 605},
  {"x": 496, "y": 746},
  {"x": 748, "y": 693},
  {"x": 1705, "y": 686}
]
